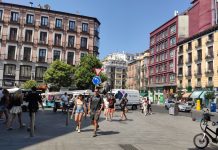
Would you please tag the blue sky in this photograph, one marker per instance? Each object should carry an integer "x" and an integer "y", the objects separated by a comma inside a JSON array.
[{"x": 125, "y": 24}]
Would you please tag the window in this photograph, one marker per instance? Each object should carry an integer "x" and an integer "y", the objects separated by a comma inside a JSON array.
[
  {"x": 40, "y": 72},
  {"x": 180, "y": 71},
  {"x": 25, "y": 72},
  {"x": 58, "y": 23},
  {"x": 84, "y": 27},
  {"x": 189, "y": 45},
  {"x": 28, "y": 35},
  {"x": 172, "y": 29},
  {"x": 210, "y": 79},
  {"x": 181, "y": 49},
  {"x": 172, "y": 41},
  {"x": 44, "y": 21},
  {"x": 171, "y": 65},
  {"x": 43, "y": 38},
  {"x": 189, "y": 71},
  {"x": 1, "y": 14},
  {"x": 29, "y": 19},
  {"x": 180, "y": 62},
  {"x": 9, "y": 70},
  {"x": 72, "y": 25},
  {"x": 42, "y": 55},
  {"x": 71, "y": 41},
  {"x": 57, "y": 40},
  {"x": 11, "y": 52},
  {"x": 189, "y": 57},
  {"x": 210, "y": 51},
  {"x": 13, "y": 34},
  {"x": 14, "y": 16},
  {"x": 96, "y": 41},
  {"x": 210, "y": 66},
  {"x": 56, "y": 55},
  {"x": 83, "y": 42},
  {"x": 198, "y": 69},
  {"x": 199, "y": 57},
  {"x": 70, "y": 58},
  {"x": 189, "y": 82},
  {"x": 199, "y": 42},
  {"x": 82, "y": 55},
  {"x": 171, "y": 53},
  {"x": 210, "y": 37},
  {"x": 26, "y": 53},
  {"x": 172, "y": 78}
]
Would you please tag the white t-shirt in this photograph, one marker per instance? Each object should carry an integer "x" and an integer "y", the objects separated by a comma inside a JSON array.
[
  {"x": 106, "y": 103},
  {"x": 64, "y": 98}
]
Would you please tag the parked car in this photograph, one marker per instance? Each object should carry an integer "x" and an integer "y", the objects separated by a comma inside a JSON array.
[
  {"x": 185, "y": 107},
  {"x": 169, "y": 103}
]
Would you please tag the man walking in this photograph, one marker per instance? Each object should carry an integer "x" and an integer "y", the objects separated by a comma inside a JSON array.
[
  {"x": 33, "y": 98},
  {"x": 95, "y": 107}
]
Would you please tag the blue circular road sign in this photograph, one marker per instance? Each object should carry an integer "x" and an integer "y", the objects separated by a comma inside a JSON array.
[{"x": 96, "y": 80}]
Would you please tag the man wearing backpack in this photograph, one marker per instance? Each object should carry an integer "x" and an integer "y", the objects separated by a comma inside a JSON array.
[
  {"x": 95, "y": 107},
  {"x": 33, "y": 98}
]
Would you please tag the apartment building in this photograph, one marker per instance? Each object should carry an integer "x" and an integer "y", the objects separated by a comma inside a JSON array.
[
  {"x": 163, "y": 58},
  {"x": 31, "y": 38},
  {"x": 198, "y": 61},
  {"x": 115, "y": 67},
  {"x": 137, "y": 75}
]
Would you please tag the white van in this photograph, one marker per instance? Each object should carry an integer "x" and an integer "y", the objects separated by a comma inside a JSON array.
[{"x": 133, "y": 97}]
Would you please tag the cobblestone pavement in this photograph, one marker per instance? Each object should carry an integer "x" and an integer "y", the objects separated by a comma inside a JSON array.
[{"x": 139, "y": 132}]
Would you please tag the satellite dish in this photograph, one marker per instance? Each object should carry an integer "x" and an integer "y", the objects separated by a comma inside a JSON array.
[{"x": 47, "y": 6}]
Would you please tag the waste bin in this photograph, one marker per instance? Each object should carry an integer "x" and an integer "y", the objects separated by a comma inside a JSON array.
[
  {"x": 213, "y": 107},
  {"x": 174, "y": 109}
]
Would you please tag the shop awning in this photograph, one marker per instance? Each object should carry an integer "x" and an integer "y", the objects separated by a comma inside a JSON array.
[
  {"x": 196, "y": 94},
  {"x": 143, "y": 94},
  {"x": 186, "y": 95}
]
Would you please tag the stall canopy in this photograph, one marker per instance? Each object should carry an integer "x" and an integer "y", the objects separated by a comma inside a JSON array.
[
  {"x": 186, "y": 95},
  {"x": 196, "y": 94}
]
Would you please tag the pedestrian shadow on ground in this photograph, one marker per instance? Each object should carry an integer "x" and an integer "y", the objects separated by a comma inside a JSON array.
[
  {"x": 210, "y": 147},
  {"x": 107, "y": 132}
]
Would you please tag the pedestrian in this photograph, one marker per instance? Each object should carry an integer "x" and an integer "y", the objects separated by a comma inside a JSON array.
[
  {"x": 4, "y": 104},
  {"x": 111, "y": 110},
  {"x": 149, "y": 110},
  {"x": 123, "y": 106},
  {"x": 15, "y": 101},
  {"x": 145, "y": 105},
  {"x": 95, "y": 107},
  {"x": 80, "y": 110},
  {"x": 65, "y": 101},
  {"x": 34, "y": 100},
  {"x": 106, "y": 105}
]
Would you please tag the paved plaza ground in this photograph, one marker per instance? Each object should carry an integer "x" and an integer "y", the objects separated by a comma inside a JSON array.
[{"x": 158, "y": 131}]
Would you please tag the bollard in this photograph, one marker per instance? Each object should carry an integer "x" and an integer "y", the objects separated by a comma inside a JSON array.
[{"x": 198, "y": 105}]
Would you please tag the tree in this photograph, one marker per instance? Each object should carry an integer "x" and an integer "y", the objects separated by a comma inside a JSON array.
[
  {"x": 59, "y": 74},
  {"x": 29, "y": 84},
  {"x": 84, "y": 72}
]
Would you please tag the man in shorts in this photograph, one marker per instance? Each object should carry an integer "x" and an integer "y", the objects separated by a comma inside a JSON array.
[{"x": 95, "y": 107}]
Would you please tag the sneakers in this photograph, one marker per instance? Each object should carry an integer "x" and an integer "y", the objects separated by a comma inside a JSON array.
[
  {"x": 94, "y": 135},
  {"x": 78, "y": 130},
  {"x": 77, "y": 127}
]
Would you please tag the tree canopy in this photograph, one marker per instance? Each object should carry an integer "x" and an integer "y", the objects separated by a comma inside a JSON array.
[
  {"x": 59, "y": 74},
  {"x": 84, "y": 72},
  {"x": 29, "y": 84}
]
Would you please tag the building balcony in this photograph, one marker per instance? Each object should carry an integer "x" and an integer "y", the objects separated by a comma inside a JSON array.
[
  {"x": 25, "y": 78},
  {"x": 180, "y": 75},
  {"x": 209, "y": 57},
  {"x": 198, "y": 84},
  {"x": 10, "y": 57},
  {"x": 42, "y": 42},
  {"x": 58, "y": 44},
  {"x": 188, "y": 75},
  {"x": 198, "y": 59},
  {"x": 188, "y": 62},
  {"x": 198, "y": 46},
  {"x": 209, "y": 84},
  {"x": 209, "y": 41},
  {"x": 189, "y": 49},
  {"x": 198, "y": 73},
  {"x": 44, "y": 26},
  {"x": 209, "y": 72},
  {"x": 71, "y": 46},
  {"x": 16, "y": 22},
  {"x": 25, "y": 58},
  {"x": 72, "y": 30}
]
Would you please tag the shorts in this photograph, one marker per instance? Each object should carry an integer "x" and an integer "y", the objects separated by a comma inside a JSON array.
[
  {"x": 94, "y": 116},
  {"x": 79, "y": 110},
  {"x": 111, "y": 110}
]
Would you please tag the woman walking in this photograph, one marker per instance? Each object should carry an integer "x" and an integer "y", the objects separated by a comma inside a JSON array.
[
  {"x": 106, "y": 106},
  {"x": 80, "y": 110},
  {"x": 112, "y": 102},
  {"x": 4, "y": 104},
  {"x": 123, "y": 105},
  {"x": 16, "y": 109}
]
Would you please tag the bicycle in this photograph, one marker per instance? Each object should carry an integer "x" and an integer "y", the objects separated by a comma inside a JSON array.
[{"x": 201, "y": 140}]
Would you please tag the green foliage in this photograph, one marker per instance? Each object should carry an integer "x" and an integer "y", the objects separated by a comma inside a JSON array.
[
  {"x": 84, "y": 72},
  {"x": 29, "y": 84},
  {"x": 59, "y": 74},
  {"x": 209, "y": 95}
]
